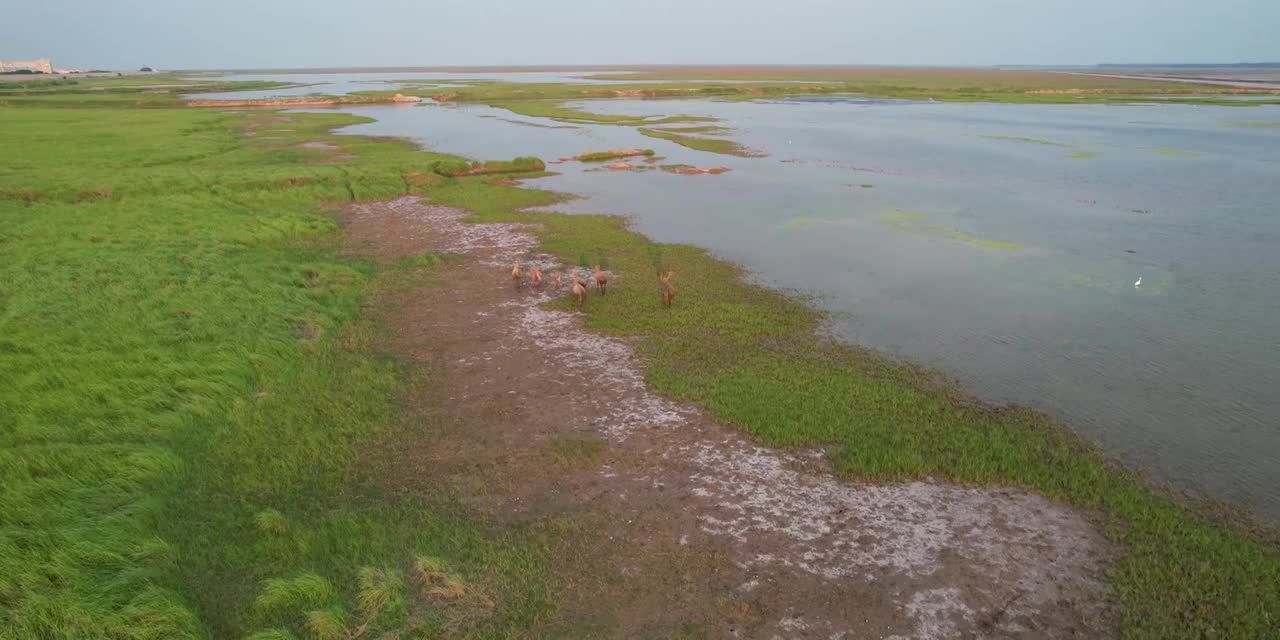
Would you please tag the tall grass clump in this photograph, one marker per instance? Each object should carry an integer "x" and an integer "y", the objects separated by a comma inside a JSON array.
[
  {"x": 453, "y": 168},
  {"x": 601, "y": 156}
]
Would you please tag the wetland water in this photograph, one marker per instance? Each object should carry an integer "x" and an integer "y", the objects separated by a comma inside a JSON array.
[{"x": 998, "y": 243}]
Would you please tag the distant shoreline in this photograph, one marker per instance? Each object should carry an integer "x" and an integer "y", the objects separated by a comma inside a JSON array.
[{"x": 1266, "y": 81}]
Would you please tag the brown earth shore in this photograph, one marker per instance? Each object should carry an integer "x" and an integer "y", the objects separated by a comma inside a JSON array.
[{"x": 679, "y": 524}]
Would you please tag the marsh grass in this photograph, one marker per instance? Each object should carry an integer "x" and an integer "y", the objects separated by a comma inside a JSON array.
[
  {"x": 118, "y": 91},
  {"x": 601, "y": 156},
  {"x": 941, "y": 85},
  {"x": 454, "y": 168},
  {"x": 555, "y": 110},
  {"x": 188, "y": 387},
  {"x": 710, "y": 145},
  {"x": 709, "y": 130}
]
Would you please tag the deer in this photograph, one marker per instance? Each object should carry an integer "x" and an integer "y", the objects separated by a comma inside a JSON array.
[
  {"x": 535, "y": 275},
  {"x": 602, "y": 280},
  {"x": 517, "y": 275},
  {"x": 580, "y": 290},
  {"x": 668, "y": 291},
  {"x": 555, "y": 277}
]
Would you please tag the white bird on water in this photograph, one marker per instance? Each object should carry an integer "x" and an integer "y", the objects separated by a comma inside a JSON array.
[{"x": 1138, "y": 284}]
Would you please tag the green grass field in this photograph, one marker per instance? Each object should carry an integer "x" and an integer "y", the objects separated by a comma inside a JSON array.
[
  {"x": 189, "y": 394},
  {"x": 161, "y": 89},
  {"x": 192, "y": 400}
]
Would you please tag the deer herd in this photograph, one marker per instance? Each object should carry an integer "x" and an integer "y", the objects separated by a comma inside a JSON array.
[{"x": 578, "y": 283}]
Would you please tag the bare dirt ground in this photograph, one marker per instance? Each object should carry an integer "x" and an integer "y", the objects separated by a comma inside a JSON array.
[{"x": 685, "y": 527}]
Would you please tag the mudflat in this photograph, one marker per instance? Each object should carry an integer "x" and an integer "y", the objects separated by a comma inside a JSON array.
[{"x": 681, "y": 520}]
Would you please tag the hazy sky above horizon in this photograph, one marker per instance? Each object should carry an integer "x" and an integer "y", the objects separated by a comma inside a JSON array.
[{"x": 177, "y": 34}]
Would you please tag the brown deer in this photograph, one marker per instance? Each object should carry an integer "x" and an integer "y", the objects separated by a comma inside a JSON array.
[
  {"x": 602, "y": 280},
  {"x": 535, "y": 275},
  {"x": 517, "y": 275},
  {"x": 668, "y": 291},
  {"x": 555, "y": 277},
  {"x": 580, "y": 290}
]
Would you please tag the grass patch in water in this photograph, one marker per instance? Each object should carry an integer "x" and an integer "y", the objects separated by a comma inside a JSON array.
[
  {"x": 709, "y": 130},
  {"x": 710, "y": 145},
  {"x": 633, "y": 168},
  {"x": 601, "y": 156},
  {"x": 1085, "y": 155},
  {"x": 555, "y": 110}
]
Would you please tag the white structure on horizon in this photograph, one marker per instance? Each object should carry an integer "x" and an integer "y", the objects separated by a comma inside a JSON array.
[{"x": 42, "y": 65}]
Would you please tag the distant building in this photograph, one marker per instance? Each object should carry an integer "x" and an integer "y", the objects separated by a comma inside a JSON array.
[{"x": 42, "y": 65}]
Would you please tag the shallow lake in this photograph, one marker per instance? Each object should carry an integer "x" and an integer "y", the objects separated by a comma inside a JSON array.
[{"x": 997, "y": 243}]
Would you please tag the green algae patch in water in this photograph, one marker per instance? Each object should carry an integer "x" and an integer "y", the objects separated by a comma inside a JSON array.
[
  {"x": 898, "y": 216},
  {"x": 1024, "y": 140},
  {"x": 919, "y": 223},
  {"x": 1117, "y": 277},
  {"x": 1085, "y": 155},
  {"x": 797, "y": 224},
  {"x": 1095, "y": 282},
  {"x": 1172, "y": 152},
  {"x": 1252, "y": 124}
]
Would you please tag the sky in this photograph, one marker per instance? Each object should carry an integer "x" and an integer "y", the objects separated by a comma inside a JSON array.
[{"x": 229, "y": 34}]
